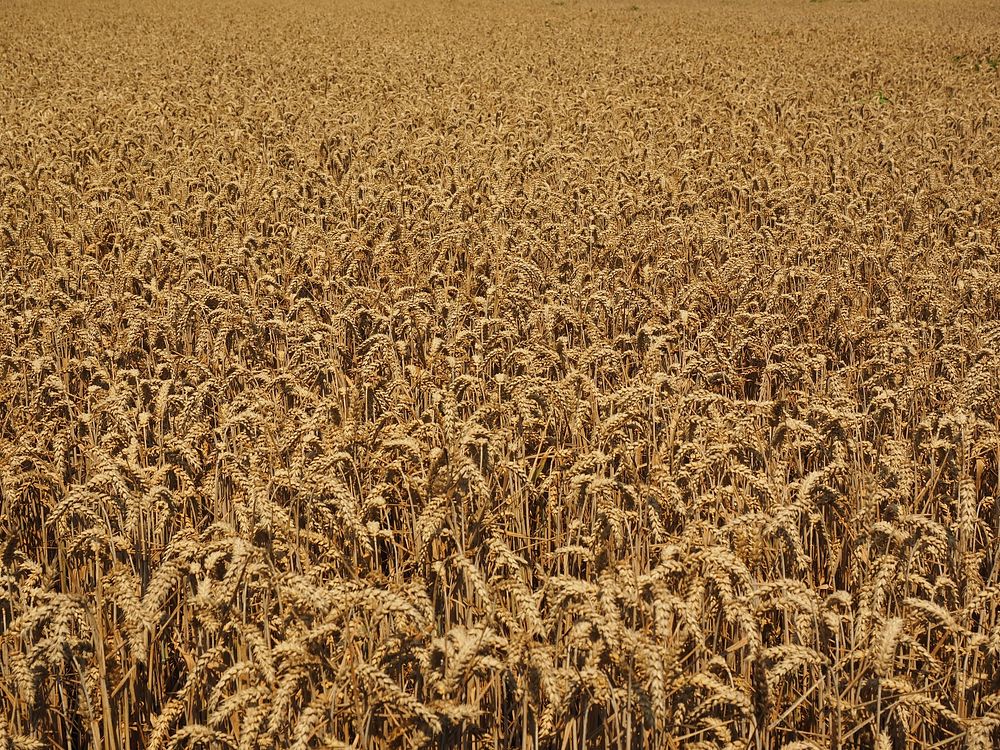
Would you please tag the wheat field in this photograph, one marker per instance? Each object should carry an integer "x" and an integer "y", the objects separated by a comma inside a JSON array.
[{"x": 534, "y": 374}]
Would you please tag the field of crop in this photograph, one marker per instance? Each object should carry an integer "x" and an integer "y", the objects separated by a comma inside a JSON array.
[{"x": 499, "y": 375}]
